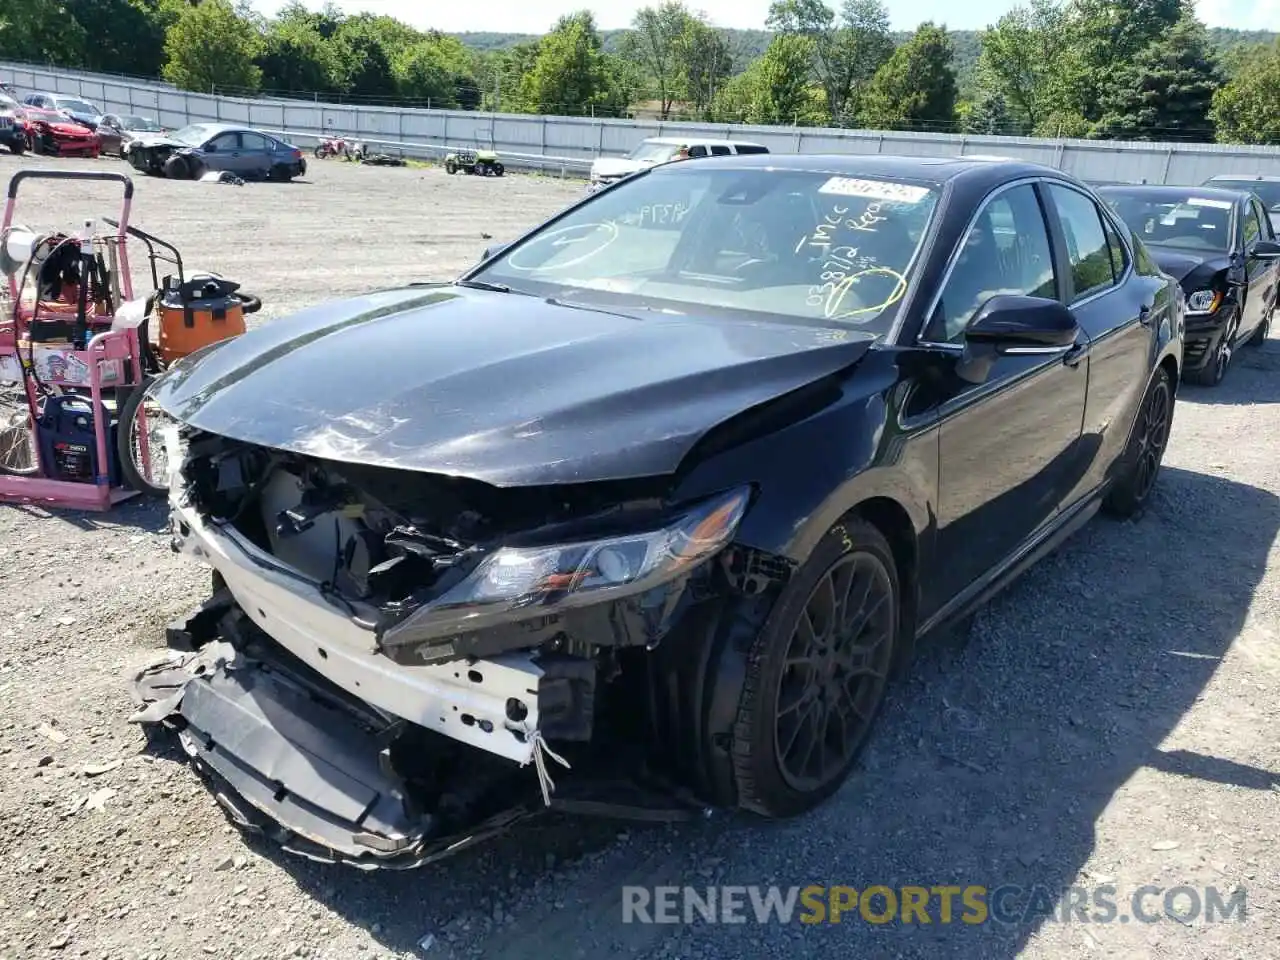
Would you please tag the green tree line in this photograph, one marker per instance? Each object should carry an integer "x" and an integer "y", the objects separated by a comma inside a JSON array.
[{"x": 1132, "y": 69}]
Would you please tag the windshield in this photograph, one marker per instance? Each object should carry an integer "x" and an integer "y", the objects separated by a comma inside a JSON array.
[
  {"x": 1192, "y": 223},
  {"x": 1269, "y": 191},
  {"x": 194, "y": 135},
  {"x": 656, "y": 152},
  {"x": 140, "y": 124},
  {"x": 762, "y": 243},
  {"x": 76, "y": 106}
]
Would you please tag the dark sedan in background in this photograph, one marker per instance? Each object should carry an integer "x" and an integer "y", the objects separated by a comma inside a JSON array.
[
  {"x": 676, "y": 492},
  {"x": 1220, "y": 245},
  {"x": 117, "y": 131}
]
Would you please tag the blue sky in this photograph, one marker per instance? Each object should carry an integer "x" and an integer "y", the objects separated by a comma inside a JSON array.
[{"x": 536, "y": 16}]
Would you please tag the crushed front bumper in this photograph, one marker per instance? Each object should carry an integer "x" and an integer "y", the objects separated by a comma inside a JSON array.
[
  {"x": 289, "y": 756},
  {"x": 488, "y": 704}
]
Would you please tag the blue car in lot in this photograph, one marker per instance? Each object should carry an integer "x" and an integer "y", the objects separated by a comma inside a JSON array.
[{"x": 202, "y": 148}]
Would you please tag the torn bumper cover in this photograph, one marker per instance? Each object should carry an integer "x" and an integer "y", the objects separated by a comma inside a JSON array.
[{"x": 292, "y": 758}]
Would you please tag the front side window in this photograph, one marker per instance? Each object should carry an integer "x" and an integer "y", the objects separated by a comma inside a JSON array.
[
  {"x": 1252, "y": 227},
  {"x": 765, "y": 243},
  {"x": 1264, "y": 221},
  {"x": 1087, "y": 247},
  {"x": 1006, "y": 251}
]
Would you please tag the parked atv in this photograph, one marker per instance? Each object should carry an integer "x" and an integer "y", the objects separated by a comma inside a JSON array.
[{"x": 481, "y": 162}]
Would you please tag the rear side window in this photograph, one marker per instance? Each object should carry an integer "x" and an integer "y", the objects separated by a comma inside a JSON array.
[
  {"x": 720, "y": 150},
  {"x": 1087, "y": 246},
  {"x": 745, "y": 148},
  {"x": 697, "y": 151},
  {"x": 254, "y": 141}
]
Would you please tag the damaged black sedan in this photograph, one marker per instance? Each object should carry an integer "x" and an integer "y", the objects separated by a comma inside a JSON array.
[{"x": 653, "y": 501}]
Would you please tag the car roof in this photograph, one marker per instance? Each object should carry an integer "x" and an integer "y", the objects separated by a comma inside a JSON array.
[
  {"x": 1170, "y": 192},
  {"x": 704, "y": 141},
  {"x": 937, "y": 169},
  {"x": 1244, "y": 176}
]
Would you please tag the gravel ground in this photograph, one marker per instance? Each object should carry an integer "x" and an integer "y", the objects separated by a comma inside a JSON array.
[{"x": 1109, "y": 720}]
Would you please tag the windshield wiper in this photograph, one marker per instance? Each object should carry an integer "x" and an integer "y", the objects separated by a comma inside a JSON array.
[{"x": 483, "y": 285}]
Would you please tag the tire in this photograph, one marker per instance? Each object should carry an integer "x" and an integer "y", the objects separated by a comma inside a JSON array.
[
  {"x": 1139, "y": 467},
  {"x": 320, "y": 151},
  {"x": 177, "y": 168},
  {"x": 499, "y": 169},
  {"x": 450, "y": 167},
  {"x": 769, "y": 774},
  {"x": 129, "y": 467},
  {"x": 1215, "y": 370},
  {"x": 279, "y": 174}
]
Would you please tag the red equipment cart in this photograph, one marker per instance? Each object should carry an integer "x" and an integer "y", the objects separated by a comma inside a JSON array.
[{"x": 60, "y": 397}]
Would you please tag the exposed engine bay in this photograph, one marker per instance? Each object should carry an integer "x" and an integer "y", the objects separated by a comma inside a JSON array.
[{"x": 386, "y": 654}]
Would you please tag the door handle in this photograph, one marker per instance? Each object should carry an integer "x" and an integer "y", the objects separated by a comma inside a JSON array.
[
  {"x": 1144, "y": 314},
  {"x": 1075, "y": 354}
]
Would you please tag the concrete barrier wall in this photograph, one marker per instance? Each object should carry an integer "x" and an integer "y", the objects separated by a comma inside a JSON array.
[{"x": 568, "y": 144}]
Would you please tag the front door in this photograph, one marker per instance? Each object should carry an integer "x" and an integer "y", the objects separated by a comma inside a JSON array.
[
  {"x": 1007, "y": 446},
  {"x": 1261, "y": 273}
]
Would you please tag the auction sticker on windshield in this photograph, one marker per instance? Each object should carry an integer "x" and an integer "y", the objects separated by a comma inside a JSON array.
[
  {"x": 874, "y": 189},
  {"x": 1203, "y": 202}
]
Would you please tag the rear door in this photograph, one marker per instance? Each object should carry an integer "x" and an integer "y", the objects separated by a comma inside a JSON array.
[
  {"x": 257, "y": 150},
  {"x": 1007, "y": 446},
  {"x": 1119, "y": 317}
]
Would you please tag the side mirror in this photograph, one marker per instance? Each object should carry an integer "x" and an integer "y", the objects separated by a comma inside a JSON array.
[
  {"x": 1006, "y": 322},
  {"x": 1014, "y": 324},
  {"x": 492, "y": 251},
  {"x": 1265, "y": 250}
]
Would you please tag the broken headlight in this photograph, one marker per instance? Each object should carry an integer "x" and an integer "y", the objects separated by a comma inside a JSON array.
[{"x": 512, "y": 580}]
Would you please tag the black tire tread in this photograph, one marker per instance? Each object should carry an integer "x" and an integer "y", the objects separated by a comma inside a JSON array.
[{"x": 754, "y": 795}]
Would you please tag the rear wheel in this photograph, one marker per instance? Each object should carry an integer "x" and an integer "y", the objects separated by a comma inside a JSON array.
[
  {"x": 498, "y": 169},
  {"x": 817, "y": 674},
  {"x": 17, "y": 437},
  {"x": 450, "y": 167},
  {"x": 142, "y": 426},
  {"x": 1140, "y": 465}
]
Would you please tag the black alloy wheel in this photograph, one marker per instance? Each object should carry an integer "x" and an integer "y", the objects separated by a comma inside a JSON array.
[
  {"x": 1141, "y": 463},
  {"x": 817, "y": 674},
  {"x": 836, "y": 669}
]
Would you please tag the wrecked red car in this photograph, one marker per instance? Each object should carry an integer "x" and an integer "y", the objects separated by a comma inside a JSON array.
[{"x": 55, "y": 135}]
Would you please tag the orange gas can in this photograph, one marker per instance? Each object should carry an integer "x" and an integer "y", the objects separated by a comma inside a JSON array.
[{"x": 196, "y": 313}]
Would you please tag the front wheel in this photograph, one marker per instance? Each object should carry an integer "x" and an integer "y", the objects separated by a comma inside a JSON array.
[
  {"x": 817, "y": 674},
  {"x": 1215, "y": 368},
  {"x": 177, "y": 168},
  {"x": 1140, "y": 463},
  {"x": 320, "y": 153},
  {"x": 450, "y": 167}
]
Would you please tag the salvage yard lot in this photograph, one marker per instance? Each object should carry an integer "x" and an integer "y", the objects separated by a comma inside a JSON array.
[{"x": 1112, "y": 719}]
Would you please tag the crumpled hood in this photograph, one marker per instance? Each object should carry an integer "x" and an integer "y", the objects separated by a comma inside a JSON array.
[
  {"x": 64, "y": 128},
  {"x": 1187, "y": 267},
  {"x": 159, "y": 140},
  {"x": 503, "y": 388},
  {"x": 617, "y": 166}
]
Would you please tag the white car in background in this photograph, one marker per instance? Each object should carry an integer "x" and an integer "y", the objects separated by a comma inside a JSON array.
[{"x": 656, "y": 150}]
